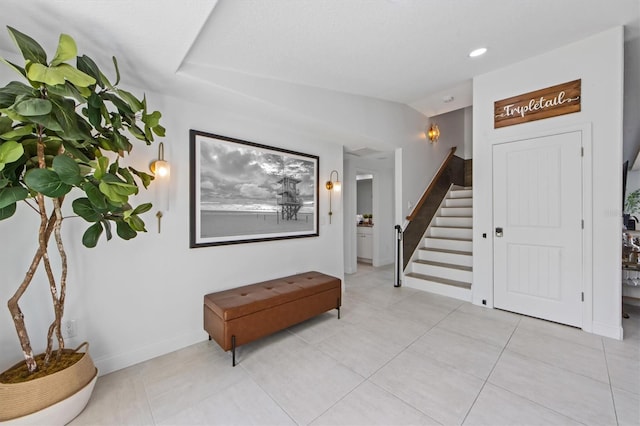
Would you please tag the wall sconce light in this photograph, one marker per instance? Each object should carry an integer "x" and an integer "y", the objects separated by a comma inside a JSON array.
[
  {"x": 161, "y": 169},
  {"x": 433, "y": 133},
  {"x": 333, "y": 185}
]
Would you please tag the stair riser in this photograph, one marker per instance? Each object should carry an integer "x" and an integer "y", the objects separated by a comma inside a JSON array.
[
  {"x": 461, "y": 193},
  {"x": 454, "y": 259},
  {"x": 437, "y": 288},
  {"x": 436, "y": 231},
  {"x": 442, "y": 272},
  {"x": 454, "y": 221},
  {"x": 456, "y": 211},
  {"x": 448, "y": 244},
  {"x": 458, "y": 202}
]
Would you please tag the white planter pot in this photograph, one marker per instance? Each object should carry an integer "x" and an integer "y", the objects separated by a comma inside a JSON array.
[{"x": 59, "y": 413}]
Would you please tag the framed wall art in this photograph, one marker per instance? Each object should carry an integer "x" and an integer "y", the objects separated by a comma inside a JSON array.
[{"x": 243, "y": 192}]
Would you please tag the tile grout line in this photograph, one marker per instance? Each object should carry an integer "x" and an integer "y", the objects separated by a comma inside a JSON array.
[
  {"x": 490, "y": 372},
  {"x": 250, "y": 377},
  {"x": 613, "y": 399},
  {"x": 522, "y": 396},
  {"x": 367, "y": 379}
]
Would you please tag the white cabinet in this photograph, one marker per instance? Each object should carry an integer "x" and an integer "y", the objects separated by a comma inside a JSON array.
[{"x": 365, "y": 243}]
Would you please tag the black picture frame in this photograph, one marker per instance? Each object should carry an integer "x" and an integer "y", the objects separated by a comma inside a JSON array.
[{"x": 246, "y": 192}]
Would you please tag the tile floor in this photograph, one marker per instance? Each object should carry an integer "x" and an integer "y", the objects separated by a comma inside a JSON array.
[{"x": 397, "y": 356}]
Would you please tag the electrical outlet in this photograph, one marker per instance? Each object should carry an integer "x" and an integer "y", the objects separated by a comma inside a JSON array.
[{"x": 69, "y": 329}]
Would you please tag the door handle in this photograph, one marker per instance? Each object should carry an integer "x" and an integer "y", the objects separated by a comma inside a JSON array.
[{"x": 499, "y": 232}]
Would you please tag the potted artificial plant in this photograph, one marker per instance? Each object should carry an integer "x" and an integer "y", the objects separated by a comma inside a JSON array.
[
  {"x": 63, "y": 131},
  {"x": 631, "y": 207}
]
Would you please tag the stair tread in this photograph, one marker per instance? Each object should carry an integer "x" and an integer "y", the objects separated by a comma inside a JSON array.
[
  {"x": 448, "y": 238},
  {"x": 464, "y": 253},
  {"x": 444, "y": 265},
  {"x": 439, "y": 280},
  {"x": 451, "y": 226}
]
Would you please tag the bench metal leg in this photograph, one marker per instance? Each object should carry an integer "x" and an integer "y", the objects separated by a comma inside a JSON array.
[
  {"x": 338, "y": 307},
  {"x": 233, "y": 349}
]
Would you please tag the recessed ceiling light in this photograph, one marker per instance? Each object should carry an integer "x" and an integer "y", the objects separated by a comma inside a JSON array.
[{"x": 478, "y": 52}]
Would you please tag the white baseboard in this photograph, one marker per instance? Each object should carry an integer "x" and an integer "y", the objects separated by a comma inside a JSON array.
[
  {"x": 119, "y": 361},
  {"x": 606, "y": 330}
]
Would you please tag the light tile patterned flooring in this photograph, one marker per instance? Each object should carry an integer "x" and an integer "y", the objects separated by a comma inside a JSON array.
[{"x": 397, "y": 356}]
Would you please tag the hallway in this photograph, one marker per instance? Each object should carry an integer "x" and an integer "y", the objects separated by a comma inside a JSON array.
[{"x": 397, "y": 356}]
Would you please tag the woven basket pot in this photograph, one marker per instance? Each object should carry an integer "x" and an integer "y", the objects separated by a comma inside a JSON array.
[{"x": 21, "y": 399}]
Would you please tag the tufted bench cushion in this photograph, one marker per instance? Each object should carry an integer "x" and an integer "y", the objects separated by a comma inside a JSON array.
[{"x": 240, "y": 315}]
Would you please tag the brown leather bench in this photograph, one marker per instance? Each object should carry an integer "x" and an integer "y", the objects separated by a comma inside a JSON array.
[{"x": 243, "y": 314}]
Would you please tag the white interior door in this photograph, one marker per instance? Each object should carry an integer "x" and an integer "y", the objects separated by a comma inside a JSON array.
[{"x": 537, "y": 189}]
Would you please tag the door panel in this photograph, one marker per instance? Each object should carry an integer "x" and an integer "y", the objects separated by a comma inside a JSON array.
[{"x": 538, "y": 203}]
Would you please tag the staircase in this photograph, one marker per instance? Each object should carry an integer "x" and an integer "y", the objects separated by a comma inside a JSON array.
[{"x": 442, "y": 263}]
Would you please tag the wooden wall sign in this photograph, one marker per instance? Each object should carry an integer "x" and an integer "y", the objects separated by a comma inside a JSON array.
[{"x": 544, "y": 103}]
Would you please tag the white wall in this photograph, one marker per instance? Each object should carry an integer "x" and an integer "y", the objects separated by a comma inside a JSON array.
[
  {"x": 138, "y": 299},
  {"x": 418, "y": 160},
  {"x": 598, "y": 61}
]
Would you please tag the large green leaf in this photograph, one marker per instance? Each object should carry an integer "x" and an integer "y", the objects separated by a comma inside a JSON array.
[
  {"x": 46, "y": 182},
  {"x": 12, "y": 194},
  {"x": 94, "y": 116},
  {"x": 137, "y": 132},
  {"x": 18, "y": 132},
  {"x": 153, "y": 119},
  {"x": 100, "y": 166},
  {"x": 142, "y": 208},
  {"x": 133, "y": 102},
  {"x": 117, "y": 192},
  {"x": 14, "y": 115},
  {"x": 58, "y": 75},
  {"x": 5, "y": 124},
  {"x": 44, "y": 74},
  {"x": 92, "y": 235},
  {"x": 33, "y": 106},
  {"x": 135, "y": 223},
  {"x": 66, "y": 50},
  {"x": 125, "y": 231},
  {"x": 122, "y": 106},
  {"x": 159, "y": 130},
  {"x": 15, "y": 67},
  {"x": 145, "y": 178},
  {"x": 83, "y": 208},
  {"x": 81, "y": 155},
  {"x": 97, "y": 198},
  {"x": 115, "y": 65},
  {"x": 8, "y": 211},
  {"x": 48, "y": 121},
  {"x": 67, "y": 169},
  {"x": 31, "y": 50},
  {"x": 76, "y": 76},
  {"x": 64, "y": 111},
  {"x": 107, "y": 229},
  {"x": 89, "y": 67},
  {"x": 10, "y": 151},
  {"x": 68, "y": 90},
  {"x": 9, "y": 93}
]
